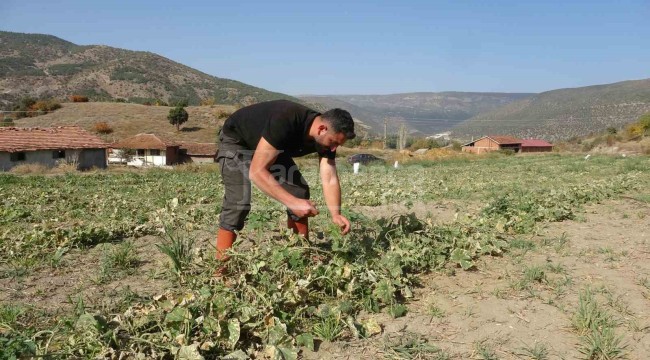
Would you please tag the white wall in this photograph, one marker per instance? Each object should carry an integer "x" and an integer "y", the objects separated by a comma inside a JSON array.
[{"x": 148, "y": 159}]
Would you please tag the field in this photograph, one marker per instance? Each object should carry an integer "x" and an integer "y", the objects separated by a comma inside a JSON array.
[
  {"x": 132, "y": 119},
  {"x": 497, "y": 257}
]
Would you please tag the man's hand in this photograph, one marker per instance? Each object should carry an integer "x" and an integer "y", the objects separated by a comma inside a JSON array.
[
  {"x": 342, "y": 222},
  {"x": 303, "y": 208}
]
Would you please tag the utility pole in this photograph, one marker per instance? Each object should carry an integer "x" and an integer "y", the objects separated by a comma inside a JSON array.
[{"x": 385, "y": 133}]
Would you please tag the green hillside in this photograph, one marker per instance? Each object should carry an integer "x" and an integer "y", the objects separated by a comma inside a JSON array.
[
  {"x": 46, "y": 66},
  {"x": 565, "y": 113}
]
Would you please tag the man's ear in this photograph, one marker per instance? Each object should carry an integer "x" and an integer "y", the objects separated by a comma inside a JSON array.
[{"x": 322, "y": 128}]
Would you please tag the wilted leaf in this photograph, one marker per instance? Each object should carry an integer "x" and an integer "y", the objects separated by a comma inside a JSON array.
[
  {"x": 189, "y": 352},
  {"x": 371, "y": 327},
  {"x": 236, "y": 355},
  {"x": 233, "y": 332},
  {"x": 211, "y": 326}
]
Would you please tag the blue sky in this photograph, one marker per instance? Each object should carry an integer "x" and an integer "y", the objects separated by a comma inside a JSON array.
[{"x": 367, "y": 47}]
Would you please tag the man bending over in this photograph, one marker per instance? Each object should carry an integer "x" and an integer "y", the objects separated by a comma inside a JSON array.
[{"x": 258, "y": 142}]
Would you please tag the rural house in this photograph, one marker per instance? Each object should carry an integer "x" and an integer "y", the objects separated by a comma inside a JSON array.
[
  {"x": 149, "y": 150},
  {"x": 492, "y": 143},
  {"x": 50, "y": 147},
  {"x": 199, "y": 153},
  {"x": 535, "y": 145}
]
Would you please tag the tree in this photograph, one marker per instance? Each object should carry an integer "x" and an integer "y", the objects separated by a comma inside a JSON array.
[{"x": 177, "y": 116}]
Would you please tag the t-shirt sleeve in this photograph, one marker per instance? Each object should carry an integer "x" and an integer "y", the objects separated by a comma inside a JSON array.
[{"x": 327, "y": 153}]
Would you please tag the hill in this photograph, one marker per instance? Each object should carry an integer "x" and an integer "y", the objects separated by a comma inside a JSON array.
[
  {"x": 423, "y": 112},
  {"x": 564, "y": 113},
  {"x": 130, "y": 119},
  {"x": 46, "y": 66}
]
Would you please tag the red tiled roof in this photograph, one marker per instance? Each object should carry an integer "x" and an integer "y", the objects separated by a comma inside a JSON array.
[
  {"x": 504, "y": 140},
  {"x": 15, "y": 139},
  {"x": 144, "y": 141},
  {"x": 535, "y": 143},
  {"x": 200, "y": 149}
]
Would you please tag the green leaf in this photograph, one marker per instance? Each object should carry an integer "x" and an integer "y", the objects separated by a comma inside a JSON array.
[
  {"x": 306, "y": 340},
  {"x": 178, "y": 315},
  {"x": 462, "y": 258},
  {"x": 397, "y": 310}
]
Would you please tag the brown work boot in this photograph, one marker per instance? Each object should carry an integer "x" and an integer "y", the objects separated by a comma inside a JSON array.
[{"x": 300, "y": 226}]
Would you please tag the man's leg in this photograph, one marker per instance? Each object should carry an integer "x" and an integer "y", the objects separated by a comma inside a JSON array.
[
  {"x": 287, "y": 174},
  {"x": 234, "y": 162}
]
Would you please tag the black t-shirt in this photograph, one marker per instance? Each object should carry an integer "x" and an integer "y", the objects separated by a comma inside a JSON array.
[{"x": 284, "y": 124}]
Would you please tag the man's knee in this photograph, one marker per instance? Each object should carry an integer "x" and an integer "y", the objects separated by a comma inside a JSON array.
[{"x": 233, "y": 219}]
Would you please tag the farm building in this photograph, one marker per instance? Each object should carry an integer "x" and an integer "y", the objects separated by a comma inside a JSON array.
[
  {"x": 199, "y": 153},
  {"x": 149, "y": 150},
  {"x": 535, "y": 145},
  {"x": 492, "y": 143},
  {"x": 50, "y": 147}
]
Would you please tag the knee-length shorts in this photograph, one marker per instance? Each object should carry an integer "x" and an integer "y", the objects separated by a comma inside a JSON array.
[{"x": 234, "y": 159}]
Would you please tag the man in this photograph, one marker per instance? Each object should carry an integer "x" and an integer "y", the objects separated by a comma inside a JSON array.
[{"x": 258, "y": 142}]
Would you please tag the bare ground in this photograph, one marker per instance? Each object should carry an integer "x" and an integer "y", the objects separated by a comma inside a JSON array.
[{"x": 468, "y": 314}]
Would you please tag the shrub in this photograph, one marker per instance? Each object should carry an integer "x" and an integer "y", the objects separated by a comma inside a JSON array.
[
  {"x": 424, "y": 143},
  {"x": 222, "y": 114},
  {"x": 78, "y": 98},
  {"x": 207, "y": 102},
  {"x": 46, "y": 105},
  {"x": 102, "y": 127}
]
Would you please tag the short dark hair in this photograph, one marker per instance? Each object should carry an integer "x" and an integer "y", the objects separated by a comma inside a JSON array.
[{"x": 341, "y": 122}]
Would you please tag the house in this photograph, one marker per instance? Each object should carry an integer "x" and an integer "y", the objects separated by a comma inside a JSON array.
[
  {"x": 50, "y": 147},
  {"x": 493, "y": 143},
  {"x": 199, "y": 153},
  {"x": 149, "y": 150},
  {"x": 535, "y": 145}
]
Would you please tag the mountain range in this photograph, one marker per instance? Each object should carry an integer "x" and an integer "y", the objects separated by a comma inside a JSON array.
[{"x": 43, "y": 66}]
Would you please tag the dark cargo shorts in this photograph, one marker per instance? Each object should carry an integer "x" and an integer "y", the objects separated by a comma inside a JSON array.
[{"x": 234, "y": 159}]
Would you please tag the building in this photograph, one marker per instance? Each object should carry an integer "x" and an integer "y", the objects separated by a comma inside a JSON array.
[
  {"x": 199, "y": 153},
  {"x": 493, "y": 143},
  {"x": 50, "y": 147},
  {"x": 149, "y": 150},
  {"x": 535, "y": 145}
]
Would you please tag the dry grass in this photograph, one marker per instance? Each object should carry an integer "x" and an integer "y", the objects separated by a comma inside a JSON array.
[
  {"x": 31, "y": 169},
  {"x": 131, "y": 119}
]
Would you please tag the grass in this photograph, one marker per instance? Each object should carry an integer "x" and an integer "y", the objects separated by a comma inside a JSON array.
[
  {"x": 329, "y": 328},
  {"x": 180, "y": 250},
  {"x": 539, "y": 351},
  {"x": 596, "y": 326},
  {"x": 117, "y": 262}
]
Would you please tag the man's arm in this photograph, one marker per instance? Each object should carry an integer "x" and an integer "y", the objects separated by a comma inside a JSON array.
[
  {"x": 259, "y": 174},
  {"x": 332, "y": 193}
]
